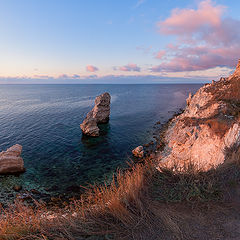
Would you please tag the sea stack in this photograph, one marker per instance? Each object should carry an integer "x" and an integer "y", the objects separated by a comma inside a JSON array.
[
  {"x": 11, "y": 161},
  {"x": 99, "y": 114}
]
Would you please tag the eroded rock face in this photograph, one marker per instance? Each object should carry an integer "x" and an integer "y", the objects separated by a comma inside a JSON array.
[
  {"x": 11, "y": 161},
  {"x": 138, "y": 152},
  {"x": 101, "y": 110},
  {"x": 99, "y": 114},
  {"x": 209, "y": 126},
  {"x": 189, "y": 98},
  {"x": 236, "y": 72}
]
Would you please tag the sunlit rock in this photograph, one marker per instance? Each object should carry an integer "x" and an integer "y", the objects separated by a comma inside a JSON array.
[
  {"x": 207, "y": 129},
  {"x": 189, "y": 98},
  {"x": 236, "y": 72},
  {"x": 99, "y": 114},
  {"x": 138, "y": 152},
  {"x": 11, "y": 161}
]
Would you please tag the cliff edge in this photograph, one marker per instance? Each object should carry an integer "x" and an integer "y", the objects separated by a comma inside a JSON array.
[{"x": 207, "y": 133}]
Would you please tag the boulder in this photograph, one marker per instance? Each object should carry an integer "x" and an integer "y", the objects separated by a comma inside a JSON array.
[
  {"x": 17, "y": 188},
  {"x": 99, "y": 114},
  {"x": 11, "y": 161},
  {"x": 138, "y": 152}
]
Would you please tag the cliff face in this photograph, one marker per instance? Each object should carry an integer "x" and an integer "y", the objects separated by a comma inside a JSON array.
[{"x": 209, "y": 128}]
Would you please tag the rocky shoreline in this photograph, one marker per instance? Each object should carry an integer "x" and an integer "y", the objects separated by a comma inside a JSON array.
[
  {"x": 207, "y": 127},
  {"x": 207, "y": 130},
  {"x": 74, "y": 192}
]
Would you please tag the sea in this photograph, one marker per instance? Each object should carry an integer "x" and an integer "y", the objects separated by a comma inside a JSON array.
[{"x": 45, "y": 120}]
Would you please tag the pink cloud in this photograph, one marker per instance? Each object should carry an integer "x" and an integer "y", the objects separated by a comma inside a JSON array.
[
  {"x": 91, "y": 68},
  {"x": 160, "y": 54},
  {"x": 204, "y": 39},
  {"x": 183, "y": 21},
  {"x": 131, "y": 67},
  {"x": 200, "y": 58}
]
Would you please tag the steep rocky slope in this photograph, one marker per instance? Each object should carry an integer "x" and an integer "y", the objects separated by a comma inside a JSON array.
[{"x": 208, "y": 131}]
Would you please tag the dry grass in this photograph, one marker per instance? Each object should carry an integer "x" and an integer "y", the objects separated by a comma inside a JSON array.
[
  {"x": 117, "y": 209},
  {"x": 191, "y": 186},
  {"x": 19, "y": 220},
  {"x": 134, "y": 206}
]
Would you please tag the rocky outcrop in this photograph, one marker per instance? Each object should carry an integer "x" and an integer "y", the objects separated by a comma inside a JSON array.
[
  {"x": 99, "y": 114},
  {"x": 138, "y": 152},
  {"x": 236, "y": 73},
  {"x": 208, "y": 129},
  {"x": 189, "y": 98},
  {"x": 11, "y": 161}
]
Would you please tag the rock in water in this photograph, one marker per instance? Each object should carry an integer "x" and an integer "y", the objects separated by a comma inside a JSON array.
[
  {"x": 101, "y": 110},
  {"x": 138, "y": 152},
  {"x": 10, "y": 160},
  {"x": 89, "y": 126},
  {"x": 208, "y": 131},
  {"x": 99, "y": 114}
]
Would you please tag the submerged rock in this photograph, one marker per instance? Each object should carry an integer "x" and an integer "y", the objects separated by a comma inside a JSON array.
[
  {"x": 10, "y": 160},
  {"x": 99, "y": 114},
  {"x": 208, "y": 129},
  {"x": 138, "y": 152},
  {"x": 17, "y": 188}
]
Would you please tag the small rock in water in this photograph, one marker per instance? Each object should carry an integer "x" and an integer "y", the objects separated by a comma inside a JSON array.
[
  {"x": 24, "y": 196},
  {"x": 138, "y": 152},
  {"x": 17, "y": 188},
  {"x": 10, "y": 160},
  {"x": 34, "y": 191}
]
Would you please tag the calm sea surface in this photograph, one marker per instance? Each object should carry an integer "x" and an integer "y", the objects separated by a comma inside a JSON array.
[{"x": 45, "y": 120}]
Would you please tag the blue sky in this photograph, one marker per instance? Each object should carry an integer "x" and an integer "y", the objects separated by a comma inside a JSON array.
[{"x": 108, "y": 41}]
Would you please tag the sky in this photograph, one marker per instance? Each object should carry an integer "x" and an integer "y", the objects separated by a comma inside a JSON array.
[{"x": 110, "y": 41}]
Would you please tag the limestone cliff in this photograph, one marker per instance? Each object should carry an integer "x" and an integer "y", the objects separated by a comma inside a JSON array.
[{"x": 209, "y": 128}]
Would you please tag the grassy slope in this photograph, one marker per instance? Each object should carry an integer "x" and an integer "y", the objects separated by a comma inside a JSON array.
[{"x": 140, "y": 204}]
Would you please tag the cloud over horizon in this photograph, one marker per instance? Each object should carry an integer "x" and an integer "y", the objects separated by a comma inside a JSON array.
[
  {"x": 205, "y": 39},
  {"x": 131, "y": 67},
  {"x": 91, "y": 68}
]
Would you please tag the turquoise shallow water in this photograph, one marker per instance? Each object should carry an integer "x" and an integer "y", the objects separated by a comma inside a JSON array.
[{"x": 45, "y": 120}]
